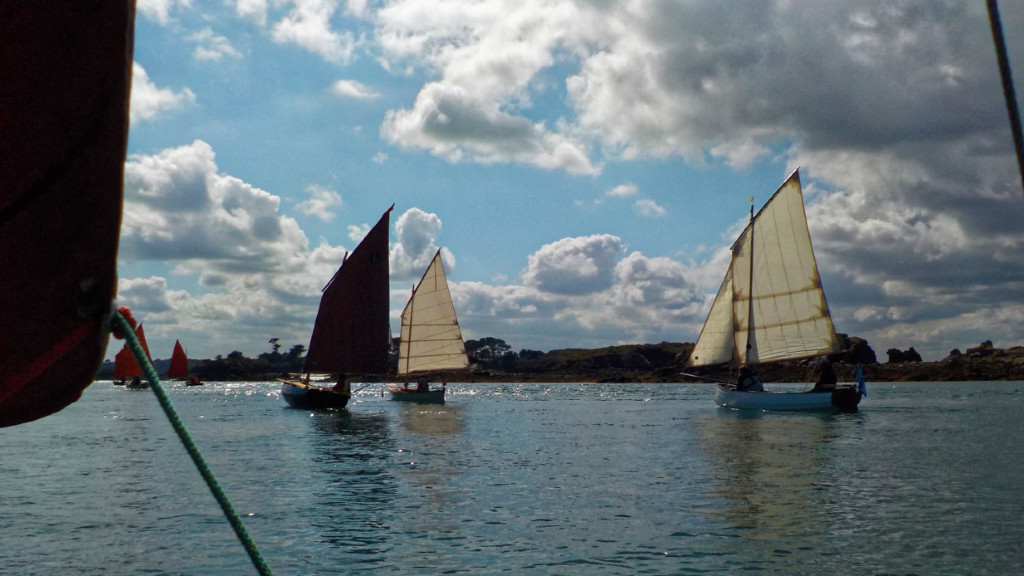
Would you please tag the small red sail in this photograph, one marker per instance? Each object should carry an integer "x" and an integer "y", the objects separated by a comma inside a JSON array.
[
  {"x": 179, "y": 362},
  {"x": 352, "y": 326},
  {"x": 65, "y": 75}
]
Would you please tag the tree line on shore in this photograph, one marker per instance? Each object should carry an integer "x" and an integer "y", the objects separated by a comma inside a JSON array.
[{"x": 493, "y": 359}]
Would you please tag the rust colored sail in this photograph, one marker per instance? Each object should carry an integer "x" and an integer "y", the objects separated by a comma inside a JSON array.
[
  {"x": 125, "y": 365},
  {"x": 351, "y": 331},
  {"x": 179, "y": 362},
  {"x": 65, "y": 76}
]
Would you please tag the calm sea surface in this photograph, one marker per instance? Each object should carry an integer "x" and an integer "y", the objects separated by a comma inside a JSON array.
[{"x": 580, "y": 479}]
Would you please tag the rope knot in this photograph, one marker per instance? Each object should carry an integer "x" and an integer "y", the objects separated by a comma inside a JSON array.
[{"x": 127, "y": 313}]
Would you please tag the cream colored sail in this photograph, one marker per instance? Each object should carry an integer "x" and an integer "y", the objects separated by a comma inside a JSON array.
[
  {"x": 771, "y": 305},
  {"x": 431, "y": 338}
]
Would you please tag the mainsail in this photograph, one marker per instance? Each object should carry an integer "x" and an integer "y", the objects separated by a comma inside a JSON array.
[
  {"x": 351, "y": 332},
  {"x": 431, "y": 338},
  {"x": 179, "y": 362},
  {"x": 770, "y": 305},
  {"x": 65, "y": 75}
]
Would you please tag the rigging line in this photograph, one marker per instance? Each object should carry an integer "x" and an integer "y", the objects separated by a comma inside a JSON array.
[
  {"x": 1007, "y": 76},
  {"x": 121, "y": 326}
]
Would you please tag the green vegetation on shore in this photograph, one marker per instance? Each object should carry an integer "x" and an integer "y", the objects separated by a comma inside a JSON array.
[{"x": 493, "y": 360}]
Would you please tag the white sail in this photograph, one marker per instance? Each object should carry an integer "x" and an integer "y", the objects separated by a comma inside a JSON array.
[
  {"x": 771, "y": 305},
  {"x": 431, "y": 338}
]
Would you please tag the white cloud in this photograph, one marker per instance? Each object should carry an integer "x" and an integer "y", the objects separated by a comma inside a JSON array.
[
  {"x": 148, "y": 101},
  {"x": 353, "y": 89},
  {"x": 649, "y": 208},
  {"x": 254, "y": 10},
  {"x": 320, "y": 202},
  {"x": 416, "y": 234},
  {"x": 623, "y": 190},
  {"x": 159, "y": 11},
  {"x": 574, "y": 265},
  {"x": 308, "y": 25},
  {"x": 179, "y": 207},
  {"x": 212, "y": 47}
]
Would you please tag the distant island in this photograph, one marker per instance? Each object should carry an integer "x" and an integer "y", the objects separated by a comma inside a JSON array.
[{"x": 493, "y": 360}]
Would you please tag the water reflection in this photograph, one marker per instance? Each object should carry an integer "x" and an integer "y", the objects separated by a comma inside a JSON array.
[
  {"x": 772, "y": 474},
  {"x": 430, "y": 459},
  {"x": 354, "y": 487}
]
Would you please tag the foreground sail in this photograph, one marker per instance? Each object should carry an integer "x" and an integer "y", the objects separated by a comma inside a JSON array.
[
  {"x": 351, "y": 332},
  {"x": 431, "y": 339},
  {"x": 65, "y": 76},
  {"x": 770, "y": 306}
]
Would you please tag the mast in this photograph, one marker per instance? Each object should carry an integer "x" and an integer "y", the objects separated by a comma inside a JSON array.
[{"x": 750, "y": 293}]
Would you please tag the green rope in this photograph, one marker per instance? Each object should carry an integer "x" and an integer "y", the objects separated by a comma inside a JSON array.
[{"x": 122, "y": 327}]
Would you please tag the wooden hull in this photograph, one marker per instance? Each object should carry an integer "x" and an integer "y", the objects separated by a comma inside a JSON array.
[
  {"x": 301, "y": 395},
  {"x": 843, "y": 399},
  {"x": 404, "y": 394}
]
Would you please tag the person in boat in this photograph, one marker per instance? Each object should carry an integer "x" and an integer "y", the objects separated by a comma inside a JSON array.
[
  {"x": 136, "y": 381},
  {"x": 342, "y": 386},
  {"x": 422, "y": 385},
  {"x": 826, "y": 376},
  {"x": 748, "y": 381}
]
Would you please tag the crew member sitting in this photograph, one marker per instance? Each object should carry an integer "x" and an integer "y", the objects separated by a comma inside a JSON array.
[
  {"x": 422, "y": 385},
  {"x": 749, "y": 382},
  {"x": 826, "y": 380},
  {"x": 342, "y": 387}
]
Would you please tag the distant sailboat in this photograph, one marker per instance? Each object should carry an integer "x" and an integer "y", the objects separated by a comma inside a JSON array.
[
  {"x": 179, "y": 362},
  {"x": 771, "y": 307},
  {"x": 352, "y": 329},
  {"x": 127, "y": 371},
  {"x": 431, "y": 340}
]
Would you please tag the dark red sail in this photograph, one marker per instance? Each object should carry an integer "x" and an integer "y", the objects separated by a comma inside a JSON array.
[
  {"x": 179, "y": 362},
  {"x": 65, "y": 75},
  {"x": 351, "y": 331}
]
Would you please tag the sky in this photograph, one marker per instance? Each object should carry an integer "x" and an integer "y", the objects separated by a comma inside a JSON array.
[{"x": 582, "y": 165}]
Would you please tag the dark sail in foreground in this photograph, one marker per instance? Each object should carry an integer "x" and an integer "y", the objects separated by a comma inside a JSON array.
[
  {"x": 352, "y": 332},
  {"x": 65, "y": 75}
]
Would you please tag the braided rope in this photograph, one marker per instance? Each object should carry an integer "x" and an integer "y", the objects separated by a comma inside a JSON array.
[{"x": 122, "y": 327}]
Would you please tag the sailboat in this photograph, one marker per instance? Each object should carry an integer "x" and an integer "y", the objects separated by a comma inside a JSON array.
[
  {"x": 771, "y": 307},
  {"x": 431, "y": 340},
  {"x": 179, "y": 366},
  {"x": 127, "y": 371},
  {"x": 352, "y": 330},
  {"x": 179, "y": 362}
]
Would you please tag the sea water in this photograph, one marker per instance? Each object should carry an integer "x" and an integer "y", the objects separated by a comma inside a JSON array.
[{"x": 573, "y": 479}]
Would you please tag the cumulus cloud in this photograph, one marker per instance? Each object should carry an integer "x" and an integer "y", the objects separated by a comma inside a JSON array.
[
  {"x": 416, "y": 234},
  {"x": 159, "y": 11},
  {"x": 179, "y": 207},
  {"x": 148, "y": 101},
  {"x": 623, "y": 190},
  {"x": 212, "y": 47},
  {"x": 353, "y": 89},
  {"x": 320, "y": 202},
  {"x": 597, "y": 298},
  {"x": 574, "y": 265},
  {"x": 308, "y": 25},
  {"x": 649, "y": 208}
]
